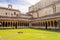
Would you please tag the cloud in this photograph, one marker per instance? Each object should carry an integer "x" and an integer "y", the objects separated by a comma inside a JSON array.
[
  {"x": 32, "y": 2},
  {"x": 19, "y": 4},
  {"x": 23, "y": 9}
]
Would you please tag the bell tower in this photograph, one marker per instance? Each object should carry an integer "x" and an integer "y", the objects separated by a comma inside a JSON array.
[{"x": 9, "y": 6}]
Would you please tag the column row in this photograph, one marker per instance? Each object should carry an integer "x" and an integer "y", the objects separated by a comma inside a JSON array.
[
  {"x": 13, "y": 24},
  {"x": 47, "y": 24}
]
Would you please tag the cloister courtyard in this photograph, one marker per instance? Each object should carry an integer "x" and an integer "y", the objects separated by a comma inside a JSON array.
[
  {"x": 41, "y": 21},
  {"x": 29, "y": 34}
]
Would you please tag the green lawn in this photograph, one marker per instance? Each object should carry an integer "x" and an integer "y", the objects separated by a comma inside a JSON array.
[{"x": 29, "y": 34}]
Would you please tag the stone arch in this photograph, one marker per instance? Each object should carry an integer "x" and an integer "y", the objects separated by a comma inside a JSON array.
[
  {"x": 55, "y": 23},
  {"x": 3, "y": 24},
  {"x": 46, "y": 25},
  {"x": 0, "y": 24},
  {"x": 6, "y": 24},
  {"x": 52, "y": 23}
]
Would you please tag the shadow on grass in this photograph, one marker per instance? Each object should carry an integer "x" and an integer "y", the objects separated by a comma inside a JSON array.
[
  {"x": 12, "y": 28},
  {"x": 52, "y": 30},
  {"x": 6, "y": 28}
]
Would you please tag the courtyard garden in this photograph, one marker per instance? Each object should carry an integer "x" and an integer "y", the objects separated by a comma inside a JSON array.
[{"x": 29, "y": 34}]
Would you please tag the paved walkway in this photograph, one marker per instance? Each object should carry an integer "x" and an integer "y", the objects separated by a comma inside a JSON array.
[{"x": 9, "y": 36}]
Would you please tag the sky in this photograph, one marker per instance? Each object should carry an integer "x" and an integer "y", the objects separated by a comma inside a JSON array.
[{"x": 21, "y": 5}]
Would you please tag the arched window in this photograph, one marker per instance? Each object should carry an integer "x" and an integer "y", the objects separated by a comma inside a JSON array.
[
  {"x": 6, "y": 13},
  {"x": 17, "y": 15},
  {"x": 14, "y": 13},
  {"x": 11, "y": 14}
]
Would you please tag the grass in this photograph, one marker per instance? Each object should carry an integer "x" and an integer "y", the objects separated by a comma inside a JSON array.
[{"x": 29, "y": 34}]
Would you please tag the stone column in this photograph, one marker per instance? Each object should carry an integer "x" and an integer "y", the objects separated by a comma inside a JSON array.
[
  {"x": 39, "y": 24},
  {"x": 12, "y": 24},
  {"x": 47, "y": 24},
  {"x": 2, "y": 24},
  {"x": 15, "y": 25},
  {"x": 30, "y": 25},
  {"x": 59, "y": 24},
  {"x": 53, "y": 24},
  {"x": 7, "y": 24},
  {"x": 50, "y": 24}
]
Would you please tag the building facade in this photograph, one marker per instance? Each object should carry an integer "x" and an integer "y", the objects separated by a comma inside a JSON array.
[
  {"x": 12, "y": 18},
  {"x": 44, "y": 14}
]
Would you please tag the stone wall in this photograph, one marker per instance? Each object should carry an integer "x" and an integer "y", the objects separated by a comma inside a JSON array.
[
  {"x": 57, "y": 8},
  {"x": 45, "y": 7},
  {"x": 10, "y": 13}
]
